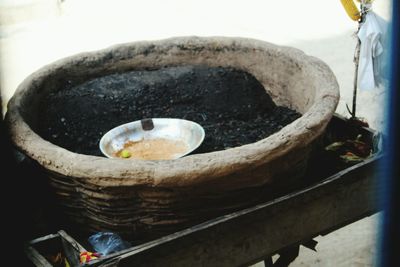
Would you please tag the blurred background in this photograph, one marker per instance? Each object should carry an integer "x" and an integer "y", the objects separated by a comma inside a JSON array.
[{"x": 34, "y": 33}]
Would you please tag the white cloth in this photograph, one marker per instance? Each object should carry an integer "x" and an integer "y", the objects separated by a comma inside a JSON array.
[{"x": 372, "y": 36}]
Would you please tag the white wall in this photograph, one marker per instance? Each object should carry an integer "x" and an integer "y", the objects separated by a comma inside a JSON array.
[{"x": 319, "y": 27}]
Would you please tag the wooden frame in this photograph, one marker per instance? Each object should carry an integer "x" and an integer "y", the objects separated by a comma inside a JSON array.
[{"x": 251, "y": 235}]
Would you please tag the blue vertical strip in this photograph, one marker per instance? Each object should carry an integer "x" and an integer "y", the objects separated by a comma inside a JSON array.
[{"x": 389, "y": 249}]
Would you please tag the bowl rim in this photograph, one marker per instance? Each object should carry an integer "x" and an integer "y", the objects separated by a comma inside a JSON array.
[{"x": 197, "y": 125}]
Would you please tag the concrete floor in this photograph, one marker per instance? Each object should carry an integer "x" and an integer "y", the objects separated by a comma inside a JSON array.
[
  {"x": 55, "y": 29},
  {"x": 351, "y": 246}
]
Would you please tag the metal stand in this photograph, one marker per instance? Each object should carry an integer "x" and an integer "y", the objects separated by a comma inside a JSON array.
[{"x": 364, "y": 11}]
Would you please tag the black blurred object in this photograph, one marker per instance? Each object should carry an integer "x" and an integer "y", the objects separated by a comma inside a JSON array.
[
  {"x": 26, "y": 201},
  {"x": 390, "y": 227},
  {"x": 12, "y": 236}
]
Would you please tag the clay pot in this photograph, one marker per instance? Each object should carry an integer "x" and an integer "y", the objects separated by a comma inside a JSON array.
[{"x": 143, "y": 199}]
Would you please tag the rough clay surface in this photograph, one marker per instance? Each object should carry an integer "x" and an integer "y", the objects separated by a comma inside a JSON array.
[
  {"x": 230, "y": 104},
  {"x": 292, "y": 79},
  {"x": 144, "y": 199}
]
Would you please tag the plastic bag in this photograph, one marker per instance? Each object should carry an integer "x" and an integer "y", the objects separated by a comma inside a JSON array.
[{"x": 106, "y": 243}]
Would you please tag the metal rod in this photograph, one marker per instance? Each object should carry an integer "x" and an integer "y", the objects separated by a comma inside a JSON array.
[
  {"x": 357, "y": 59},
  {"x": 356, "y": 62}
]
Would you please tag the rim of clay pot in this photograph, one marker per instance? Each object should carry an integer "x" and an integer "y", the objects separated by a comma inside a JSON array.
[{"x": 186, "y": 171}]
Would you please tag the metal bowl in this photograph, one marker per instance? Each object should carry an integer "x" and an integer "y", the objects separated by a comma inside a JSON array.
[{"x": 188, "y": 132}]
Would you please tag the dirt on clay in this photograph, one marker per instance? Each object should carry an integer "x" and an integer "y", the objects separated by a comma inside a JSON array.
[{"x": 231, "y": 105}]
